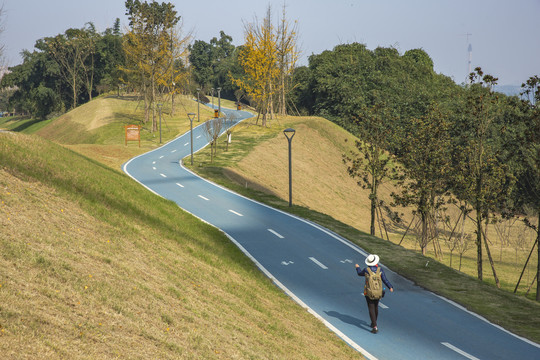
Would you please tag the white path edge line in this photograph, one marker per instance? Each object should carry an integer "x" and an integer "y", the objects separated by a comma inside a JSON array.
[
  {"x": 163, "y": 175},
  {"x": 345, "y": 338},
  {"x": 382, "y": 305},
  {"x": 180, "y": 185},
  {"x": 276, "y": 233},
  {"x": 487, "y": 321},
  {"x": 318, "y": 263},
  {"x": 235, "y": 213},
  {"x": 202, "y": 197},
  {"x": 459, "y": 351}
]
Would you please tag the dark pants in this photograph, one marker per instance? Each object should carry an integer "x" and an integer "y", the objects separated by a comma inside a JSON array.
[{"x": 373, "y": 307}]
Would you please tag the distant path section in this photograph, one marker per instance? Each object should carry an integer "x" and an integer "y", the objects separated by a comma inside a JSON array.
[{"x": 315, "y": 267}]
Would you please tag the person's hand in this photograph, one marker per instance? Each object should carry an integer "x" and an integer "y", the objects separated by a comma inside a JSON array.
[
  {"x": 357, "y": 266},
  {"x": 391, "y": 289}
]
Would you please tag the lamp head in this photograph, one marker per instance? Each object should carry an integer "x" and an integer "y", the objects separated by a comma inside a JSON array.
[
  {"x": 289, "y": 133},
  {"x": 191, "y": 116}
]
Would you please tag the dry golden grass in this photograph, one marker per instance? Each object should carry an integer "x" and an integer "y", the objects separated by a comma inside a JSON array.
[
  {"x": 321, "y": 183},
  {"x": 84, "y": 280}
]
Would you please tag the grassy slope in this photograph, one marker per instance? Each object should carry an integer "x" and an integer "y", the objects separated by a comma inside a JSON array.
[{"x": 94, "y": 266}]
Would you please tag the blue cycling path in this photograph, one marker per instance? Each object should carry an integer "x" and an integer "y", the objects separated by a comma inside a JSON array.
[{"x": 315, "y": 267}]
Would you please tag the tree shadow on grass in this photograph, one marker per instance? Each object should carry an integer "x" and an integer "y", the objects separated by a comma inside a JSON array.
[{"x": 26, "y": 125}]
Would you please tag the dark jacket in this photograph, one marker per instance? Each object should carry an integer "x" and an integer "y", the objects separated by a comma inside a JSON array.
[{"x": 364, "y": 271}]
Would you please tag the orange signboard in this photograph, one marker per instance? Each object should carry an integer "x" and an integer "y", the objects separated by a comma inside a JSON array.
[{"x": 133, "y": 133}]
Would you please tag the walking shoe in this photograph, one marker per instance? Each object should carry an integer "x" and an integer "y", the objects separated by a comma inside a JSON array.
[{"x": 374, "y": 330}]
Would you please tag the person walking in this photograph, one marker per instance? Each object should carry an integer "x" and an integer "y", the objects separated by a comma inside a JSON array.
[{"x": 373, "y": 289}]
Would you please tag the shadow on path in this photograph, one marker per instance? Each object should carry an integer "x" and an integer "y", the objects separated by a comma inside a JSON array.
[{"x": 349, "y": 320}]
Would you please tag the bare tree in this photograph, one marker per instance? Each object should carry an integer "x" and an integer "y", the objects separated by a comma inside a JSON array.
[
  {"x": 212, "y": 130},
  {"x": 71, "y": 51},
  {"x": 287, "y": 56}
]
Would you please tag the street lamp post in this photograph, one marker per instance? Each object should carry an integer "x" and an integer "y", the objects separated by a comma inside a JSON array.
[
  {"x": 219, "y": 101},
  {"x": 191, "y": 116},
  {"x": 198, "y": 102},
  {"x": 159, "y": 108},
  {"x": 212, "y": 98},
  {"x": 289, "y": 134}
]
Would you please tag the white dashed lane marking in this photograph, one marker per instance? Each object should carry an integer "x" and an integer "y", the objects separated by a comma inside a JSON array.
[
  {"x": 236, "y": 213},
  {"x": 318, "y": 263},
  {"x": 459, "y": 351},
  {"x": 276, "y": 233}
]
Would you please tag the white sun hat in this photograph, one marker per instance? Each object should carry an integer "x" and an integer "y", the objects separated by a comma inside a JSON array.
[{"x": 372, "y": 260}]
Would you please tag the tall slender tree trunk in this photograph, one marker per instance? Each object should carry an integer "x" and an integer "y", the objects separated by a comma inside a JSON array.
[
  {"x": 74, "y": 85},
  {"x": 373, "y": 208},
  {"x": 423, "y": 242},
  {"x": 283, "y": 109},
  {"x": 479, "y": 234},
  {"x": 271, "y": 101},
  {"x": 538, "y": 259},
  {"x": 146, "y": 105},
  {"x": 90, "y": 82},
  {"x": 153, "y": 102}
]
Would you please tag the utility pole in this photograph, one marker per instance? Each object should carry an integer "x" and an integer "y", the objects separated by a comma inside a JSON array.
[{"x": 469, "y": 49}]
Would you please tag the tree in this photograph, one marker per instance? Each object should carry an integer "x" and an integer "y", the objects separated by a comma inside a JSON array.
[
  {"x": 66, "y": 65},
  {"x": 173, "y": 74},
  {"x": 110, "y": 59},
  {"x": 88, "y": 64},
  {"x": 258, "y": 58},
  {"x": 147, "y": 47},
  {"x": 212, "y": 129},
  {"x": 529, "y": 183},
  {"x": 71, "y": 51},
  {"x": 287, "y": 56},
  {"x": 371, "y": 163},
  {"x": 201, "y": 59},
  {"x": 425, "y": 157},
  {"x": 481, "y": 175},
  {"x": 30, "y": 80}
]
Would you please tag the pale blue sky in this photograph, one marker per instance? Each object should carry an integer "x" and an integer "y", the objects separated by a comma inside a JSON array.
[{"x": 505, "y": 33}]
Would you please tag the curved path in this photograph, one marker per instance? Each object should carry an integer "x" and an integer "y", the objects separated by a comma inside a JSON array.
[{"x": 316, "y": 268}]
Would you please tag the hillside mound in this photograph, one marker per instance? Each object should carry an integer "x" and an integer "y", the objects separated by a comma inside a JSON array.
[
  {"x": 79, "y": 125},
  {"x": 95, "y": 266}
]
